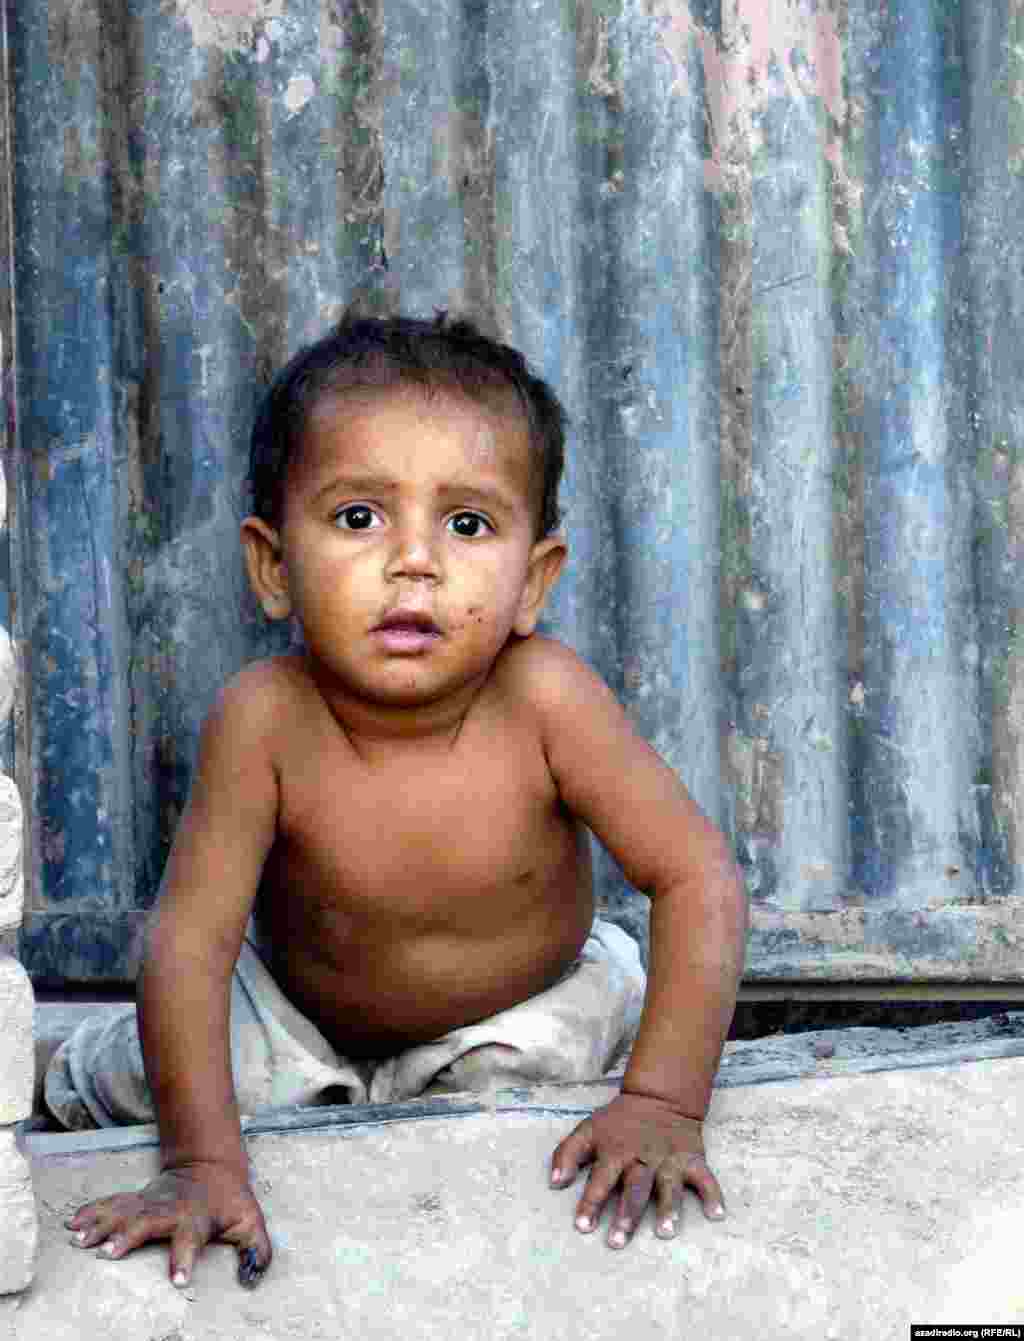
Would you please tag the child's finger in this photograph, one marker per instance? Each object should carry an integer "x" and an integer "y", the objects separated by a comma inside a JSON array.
[
  {"x": 600, "y": 1185},
  {"x": 668, "y": 1203},
  {"x": 101, "y": 1220},
  {"x": 252, "y": 1266},
  {"x": 637, "y": 1182},
  {"x": 187, "y": 1243},
  {"x": 126, "y": 1233},
  {"x": 87, "y": 1230},
  {"x": 576, "y": 1149},
  {"x": 90, "y": 1215},
  {"x": 249, "y": 1235},
  {"x": 705, "y": 1184}
]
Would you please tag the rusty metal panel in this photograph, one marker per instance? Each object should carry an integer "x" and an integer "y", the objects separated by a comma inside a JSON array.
[{"x": 771, "y": 257}]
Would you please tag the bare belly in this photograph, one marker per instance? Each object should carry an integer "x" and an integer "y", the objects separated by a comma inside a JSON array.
[{"x": 379, "y": 991}]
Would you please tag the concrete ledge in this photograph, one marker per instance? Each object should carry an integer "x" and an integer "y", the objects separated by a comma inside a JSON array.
[
  {"x": 857, "y": 1205},
  {"x": 16, "y": 1024},
  {"x": 18, "y": 1224},
  {"x": 20, "y": 1231}
]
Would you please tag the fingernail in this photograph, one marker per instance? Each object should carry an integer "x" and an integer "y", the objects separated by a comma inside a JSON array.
[
  {"x": 618, "y": 1238},
  {"x": 667, "y": 1228},
  {"x": 250, "y": 1272},
  {"x": 81, "y": 1236},
  {"x": 110, "y": 1247},
  {"x": 557, "y": 1175},
  {"x": 584, "y": 1222},
  {"x": 717, "y": 1212},
  {"x": 179, "y": 1278}
]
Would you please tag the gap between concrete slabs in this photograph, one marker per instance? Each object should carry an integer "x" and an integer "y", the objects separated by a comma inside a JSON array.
[{"x": 818, "y": 1054}]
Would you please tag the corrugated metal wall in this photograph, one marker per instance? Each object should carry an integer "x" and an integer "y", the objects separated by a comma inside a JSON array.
[{"x": 771, "y": 254}]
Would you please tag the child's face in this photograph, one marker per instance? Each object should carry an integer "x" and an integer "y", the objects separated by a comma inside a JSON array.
[{"x": 397, "y": 502}]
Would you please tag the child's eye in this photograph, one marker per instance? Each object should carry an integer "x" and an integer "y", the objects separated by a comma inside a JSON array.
[
  {"x": 358, "y": 517},
  {"x": 473, "y": 519}
]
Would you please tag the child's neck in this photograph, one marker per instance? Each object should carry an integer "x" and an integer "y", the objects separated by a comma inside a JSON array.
[{"x": 379, "y": 729}]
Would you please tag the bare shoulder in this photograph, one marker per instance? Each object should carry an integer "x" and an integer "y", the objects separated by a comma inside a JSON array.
[
  {"x": 607, "y": 774},
  {"x": 569, "y": 704},
  {"x": 256, "y": 700},
  {"x": 271, "y": 677},
  {"x": 549, "y": 676}
]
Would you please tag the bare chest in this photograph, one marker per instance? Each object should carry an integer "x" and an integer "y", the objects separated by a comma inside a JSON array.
[{"x": 424, "y": 842}]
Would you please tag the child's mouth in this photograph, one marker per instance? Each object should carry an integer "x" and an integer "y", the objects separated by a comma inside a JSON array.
[{"x": 402, "y": 636}]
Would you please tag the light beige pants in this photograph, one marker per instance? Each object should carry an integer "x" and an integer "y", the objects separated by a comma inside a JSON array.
[{"x": 580, "y": 1029}]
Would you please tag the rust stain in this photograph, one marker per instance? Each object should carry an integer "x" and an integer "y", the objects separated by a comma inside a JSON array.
[
  {"x": 794, "y": 48},
  {"x": 1008, "y": 743},
  {"x": 229, "y": 25},
  {"x": 758, "y": 775},
  {"x": 73, "y": 32},
  {"x": 597, "y": 74},
  {"x": 985, "y": 944}
]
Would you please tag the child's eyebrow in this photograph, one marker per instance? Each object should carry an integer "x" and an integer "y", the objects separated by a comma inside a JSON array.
[{"x": 379, "y": 484}]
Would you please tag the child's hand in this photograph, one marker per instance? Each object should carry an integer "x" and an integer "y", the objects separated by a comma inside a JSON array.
[
  {"x": 652, "y": 1149},
  {"x": 190, "y": 1206}
]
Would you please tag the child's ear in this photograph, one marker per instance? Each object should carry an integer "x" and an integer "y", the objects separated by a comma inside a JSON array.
[
  {"x": 547, "y": 559},
  {"x": 266, "y": 568}
]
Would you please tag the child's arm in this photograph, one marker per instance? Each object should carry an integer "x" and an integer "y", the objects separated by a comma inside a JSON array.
[
  {"x": 184, "y": 992},
  {"x": 611, "y": 779}
]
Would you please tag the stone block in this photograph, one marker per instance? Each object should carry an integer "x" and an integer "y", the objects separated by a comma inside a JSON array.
[
  {"x": 19, "y": 1225},
  {"x": 12, "y": 894},
  {"x": 8, "y": 670},
  {"x": 17, "y": 1052}
]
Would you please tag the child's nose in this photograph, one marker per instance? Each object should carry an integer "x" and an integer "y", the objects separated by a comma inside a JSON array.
[{"x": 415, "y": 551}]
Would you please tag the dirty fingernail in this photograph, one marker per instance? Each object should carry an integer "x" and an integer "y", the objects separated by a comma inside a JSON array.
[{"x": 250, "y": 1272}]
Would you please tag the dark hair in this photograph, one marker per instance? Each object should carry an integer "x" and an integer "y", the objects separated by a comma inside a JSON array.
[{"x": 380, "y": 352}]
